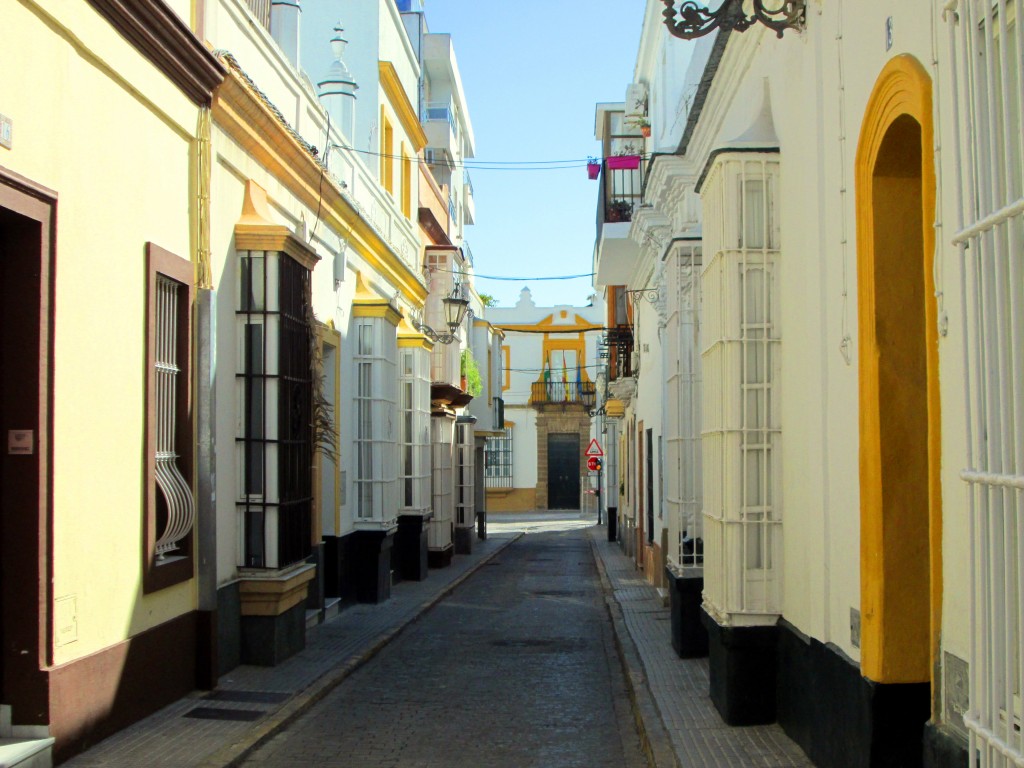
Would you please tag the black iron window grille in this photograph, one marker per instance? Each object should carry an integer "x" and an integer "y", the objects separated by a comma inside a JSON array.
[{"x": 275, "y": 399}]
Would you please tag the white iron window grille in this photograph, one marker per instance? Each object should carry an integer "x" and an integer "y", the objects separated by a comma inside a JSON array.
[
  {"x": 439, "y": 532},
  {"x": 176, "y": 507},
  {"x": 498, "y": 460},
  {"x": 740, "y": 363},
  {"x": 376, "y": 413},
  {"x": 464, "y": 502},
  {"x": 986, "y": 41},
  {"x": 415, "y": 438},
  {"x": 683, "y": 495}
]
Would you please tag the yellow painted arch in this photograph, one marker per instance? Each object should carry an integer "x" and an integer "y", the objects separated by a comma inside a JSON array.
[{"x": 901, "y": 566}]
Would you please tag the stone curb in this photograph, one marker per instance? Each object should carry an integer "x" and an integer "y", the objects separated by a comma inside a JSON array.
[
  {"x": 233, "y": 754},
  {"x": 654, "y": 738}
]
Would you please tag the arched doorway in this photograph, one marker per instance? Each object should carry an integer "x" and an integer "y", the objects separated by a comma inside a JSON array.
[{"x": 901, "y": 508}]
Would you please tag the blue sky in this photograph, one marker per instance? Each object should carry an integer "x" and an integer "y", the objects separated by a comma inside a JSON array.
[{"x": 533, "y": 71}]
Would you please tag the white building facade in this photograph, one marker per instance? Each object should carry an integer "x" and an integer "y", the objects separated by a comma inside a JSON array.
[{"x": 840, "y": 205}]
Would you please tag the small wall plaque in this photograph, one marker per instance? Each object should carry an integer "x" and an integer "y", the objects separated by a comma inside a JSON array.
[{"x": 21, "y": 442}]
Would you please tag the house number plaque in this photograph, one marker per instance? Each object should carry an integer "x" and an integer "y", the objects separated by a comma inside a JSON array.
[{"x": 21, "y": 442}]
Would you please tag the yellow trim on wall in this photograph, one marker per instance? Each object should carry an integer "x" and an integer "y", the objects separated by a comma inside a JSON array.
[
  {"x": 888, "y": 652},
  {"x": 328, "y": 338},
  {"x": 406, "y": 113},
  {"x": 577, "y": 345},
  {"x": 506, "y": 381},
  {"x": 410, "y": 338},
  {"x": 579, "y": 325},
  {"x": 242, "y": 115},
  {"x": 387, "y": 152}
]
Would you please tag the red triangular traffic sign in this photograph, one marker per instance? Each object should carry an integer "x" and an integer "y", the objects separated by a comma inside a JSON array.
[{"x": 594, "y": 449}]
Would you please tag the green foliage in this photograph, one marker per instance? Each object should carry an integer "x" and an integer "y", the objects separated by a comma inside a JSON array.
[
  {"x": 487, "y": 300},
  {"x": 469, "y": 369}
]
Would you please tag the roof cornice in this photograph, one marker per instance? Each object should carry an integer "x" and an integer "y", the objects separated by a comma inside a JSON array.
[{"x": 159, "y": 34}]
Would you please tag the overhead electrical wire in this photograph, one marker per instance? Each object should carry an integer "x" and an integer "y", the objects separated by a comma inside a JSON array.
[
  {"x": 487, "y": 165},
  {"x": 461, "y": 273}
]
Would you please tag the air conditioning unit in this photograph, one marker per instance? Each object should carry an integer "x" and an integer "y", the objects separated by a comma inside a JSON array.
[{"x": 636, "y": 100}]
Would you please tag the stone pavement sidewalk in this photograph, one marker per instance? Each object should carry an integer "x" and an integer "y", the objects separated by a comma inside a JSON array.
[
  {"x": 680, "y": 724},
  {"x": 217, "y": 729}
]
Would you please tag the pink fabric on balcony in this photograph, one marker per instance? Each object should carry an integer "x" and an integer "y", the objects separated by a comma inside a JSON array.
[{"x": 623, "y": 162}]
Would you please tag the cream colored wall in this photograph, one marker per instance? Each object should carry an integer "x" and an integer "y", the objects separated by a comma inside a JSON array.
[
  {"x": 648, "y": 402},
  {"x": 134, "y": 128},
  {"x": 820, "y": 388}
]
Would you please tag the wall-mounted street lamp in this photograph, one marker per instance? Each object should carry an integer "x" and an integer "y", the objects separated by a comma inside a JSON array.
[
  {"x": 455, "y": 307},
  {"x": 697, "y": 20}
]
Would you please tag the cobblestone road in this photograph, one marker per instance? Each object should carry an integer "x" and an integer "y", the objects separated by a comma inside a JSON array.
[{"x": 516, "y": 668}]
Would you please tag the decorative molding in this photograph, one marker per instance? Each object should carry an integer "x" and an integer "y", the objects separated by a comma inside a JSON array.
[
  {"x": 165, "y": 40},
  {"x": 239, "y": 111},
  {"x": 255, "y": 232},
  {"x": 275, "y": 594},
  {"x": 399, "y": 101}
]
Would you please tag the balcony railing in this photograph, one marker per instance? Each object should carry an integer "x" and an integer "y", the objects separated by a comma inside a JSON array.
[
  {"x": 546, "y": 393},
  {"x": 622, "y": 190},
  {"x": 617, "y": 347},
  {"x": 442, "y": 110},
  {"x": 261, "y": 10}
]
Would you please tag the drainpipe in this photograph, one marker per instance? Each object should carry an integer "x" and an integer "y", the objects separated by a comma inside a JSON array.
[{"x": 204, "y": 534}]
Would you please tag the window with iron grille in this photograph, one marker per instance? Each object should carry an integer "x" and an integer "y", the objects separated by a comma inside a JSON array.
[
  {"x": 740, "y": 362},
  {"x": 274, "y": 396},
  {"x": 683, "y": 488},
  {"x": 414, "y": 387},
  {"x": 498, "y": 460},
  {"x": 170, "y": 505},
  {"x": 376, "y": 418},
  {"x": 464, "y": 501},
  {"x": 986, "y": 40}
]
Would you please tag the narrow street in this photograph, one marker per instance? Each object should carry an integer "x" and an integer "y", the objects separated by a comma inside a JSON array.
[{"x": 517, "y": 667}]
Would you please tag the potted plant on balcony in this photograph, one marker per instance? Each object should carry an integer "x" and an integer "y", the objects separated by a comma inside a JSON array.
[
  {"x": 645, "y": 128},
  {"x": 593, "y": 168},
  {"x": 620, "y": 210},
  {"x": 471, "y": 382}
]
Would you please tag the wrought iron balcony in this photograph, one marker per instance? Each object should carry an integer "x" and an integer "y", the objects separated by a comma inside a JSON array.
[
  {"x": 617, "y": 347},
  {"x": 564, "y": 392}
]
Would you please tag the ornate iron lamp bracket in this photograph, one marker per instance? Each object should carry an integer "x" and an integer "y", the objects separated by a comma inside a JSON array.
[
  {"x": 697, "y": 20},
  {"x": 651, "y": 294}
]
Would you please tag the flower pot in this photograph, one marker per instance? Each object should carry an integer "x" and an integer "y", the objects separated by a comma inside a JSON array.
[
  {"x": 623, "y": 162},
  {"x": 593, "y": 170},
  {"x": 463, "y": 385},
  {"x": 645, "y": 131}
]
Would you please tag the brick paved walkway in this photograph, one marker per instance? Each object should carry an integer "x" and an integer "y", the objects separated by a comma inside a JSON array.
[
  {"x": 333, "y": 651},
  {"x": 672, "y": 693},
  {"x": 515, "y": 669}
]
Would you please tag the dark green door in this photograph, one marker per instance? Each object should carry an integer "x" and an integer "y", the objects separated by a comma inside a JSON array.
[{"x": 563, "y": 471}]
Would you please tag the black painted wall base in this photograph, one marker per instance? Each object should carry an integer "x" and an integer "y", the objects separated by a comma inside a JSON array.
[
  {"x": 268, "y": 640},
  {"x": 840, "y": 718},
  {"x": 440, "y": 558},
  {"x": 944, "y": 747},
  {"x": 371, "y": 554},
  {"x": 689, "y": 637},
  {"x": 339, "y": 568},
  {"x": 410, "y": 552},
  {"x": 229, "y": 640},
  {"x": 742, "y": 669},
  {"x": 315, "y": 596},
  {"x": 463, "y": 541}
]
